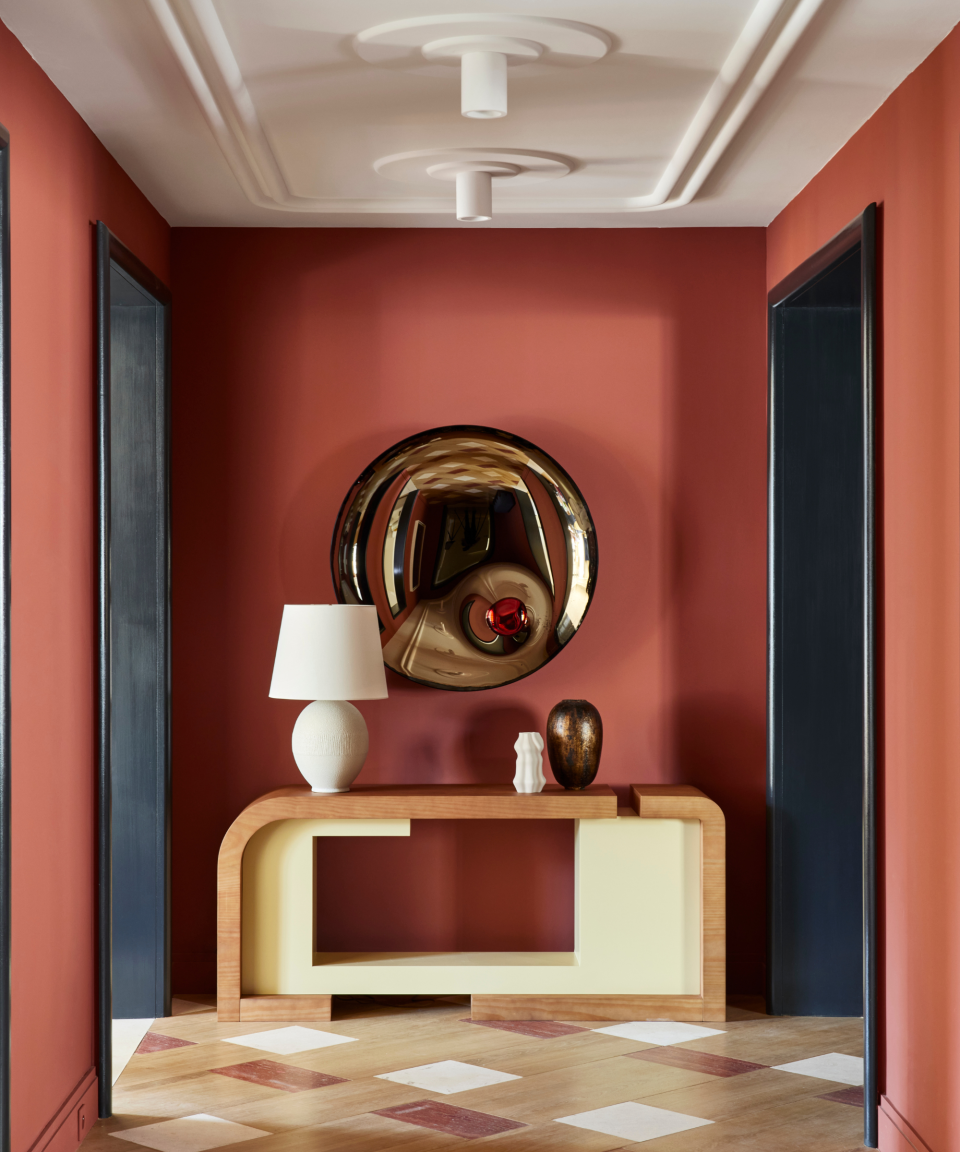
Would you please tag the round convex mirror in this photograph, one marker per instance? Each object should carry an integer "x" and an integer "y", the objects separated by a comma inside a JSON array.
[{"x": 476, "y": 549}]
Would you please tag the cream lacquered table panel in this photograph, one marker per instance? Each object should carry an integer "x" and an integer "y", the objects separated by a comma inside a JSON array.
[{"x": 649, "y": 912}]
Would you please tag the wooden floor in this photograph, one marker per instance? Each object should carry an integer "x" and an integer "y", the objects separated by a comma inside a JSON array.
[{"x": 577, "y": 1070}]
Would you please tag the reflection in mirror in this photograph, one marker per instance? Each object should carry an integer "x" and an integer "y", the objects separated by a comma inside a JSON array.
[{"x": 476, "y": 549}]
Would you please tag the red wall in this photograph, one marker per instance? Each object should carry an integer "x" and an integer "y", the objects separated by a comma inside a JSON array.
[
  {"x": 635, "y": 357},
  {"x": 62, "y": 179},
  {"x": 907, "y": 158}
]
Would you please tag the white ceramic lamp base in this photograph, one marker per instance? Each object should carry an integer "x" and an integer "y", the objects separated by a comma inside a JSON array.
[{"x": 330, "y": 744}]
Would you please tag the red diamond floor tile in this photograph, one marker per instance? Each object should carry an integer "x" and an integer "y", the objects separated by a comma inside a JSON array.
[
  {"x": 157, "y": 1042},
  {"x": 693, "y": 1061},
  {"x": 853, "y": 1095},
  {"x": 272, "y": 1074},
  {"x": 539, "y": 1029},
  {"x": 448, "y": 1118}
]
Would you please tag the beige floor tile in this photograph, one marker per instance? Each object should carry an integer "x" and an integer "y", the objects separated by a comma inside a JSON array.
[
  {"x": 773, "y": 1040},
  {"x": 531, "y": 1057},
  {"x": 361, "y": 1134},
  {"x": 553, "y": 1137},
  {"x": 735, "y": 1095},
  {"x": 262, "y": 1144},
  {"x": 801, "y": 1126},
  {"x": 541, "y": 1099},
  {"x": 288, "y": 1110},
  {"x": 203, "y": 1091}
]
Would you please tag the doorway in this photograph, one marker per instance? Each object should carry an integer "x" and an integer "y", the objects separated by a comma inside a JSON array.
[
  {"x": 821, "y": 754},
  {"x": 133, "y": 317}
]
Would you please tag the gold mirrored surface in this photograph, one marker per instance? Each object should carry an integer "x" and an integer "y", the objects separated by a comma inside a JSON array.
[{"x": 476, "y": 549}]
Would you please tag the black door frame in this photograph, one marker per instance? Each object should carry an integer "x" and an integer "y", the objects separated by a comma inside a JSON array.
[
  {"x": 861, "y": 231},
  {"x": 5, "y": 815},
  {"x": 110, "y": 250}
]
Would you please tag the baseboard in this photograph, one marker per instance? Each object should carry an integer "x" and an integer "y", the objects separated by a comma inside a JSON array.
[
  {"x": 896, "y": 1134},
  {"x": 63, "y": 1133},
  {"x": 575, "y": 1007}
]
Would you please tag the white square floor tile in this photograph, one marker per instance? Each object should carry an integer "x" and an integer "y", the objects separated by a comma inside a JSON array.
[
  {"x": 635, "y": 1122},
  {"x": 833, "y": 1066},
  {"x": 659, "y": 1031},
  {"x": 127, "y": 1035},
  {"x": 448, "y": 1076},
  {"x": 289, "y": 1041},
  {"x": 190, "y": 1134}
]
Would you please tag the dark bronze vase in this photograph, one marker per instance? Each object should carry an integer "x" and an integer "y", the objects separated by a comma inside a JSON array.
[{"x": 574, "y": 742}]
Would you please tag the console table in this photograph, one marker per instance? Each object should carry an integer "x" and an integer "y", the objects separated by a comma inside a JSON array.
[{"x": 650, "y": 929}]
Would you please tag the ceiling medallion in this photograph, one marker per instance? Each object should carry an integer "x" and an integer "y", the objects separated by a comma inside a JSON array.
[
  {"x": 473, "y": 171},
  {"x": 483, "y": 46}
]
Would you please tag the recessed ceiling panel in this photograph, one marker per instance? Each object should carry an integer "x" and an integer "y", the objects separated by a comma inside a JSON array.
[{"x": 284, "y": 112}]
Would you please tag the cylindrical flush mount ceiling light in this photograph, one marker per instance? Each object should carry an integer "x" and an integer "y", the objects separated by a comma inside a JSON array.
[
  {"x": 483, "y": 84},
  {"x": 473, "y": 171},
  {"x": 483, "y": 46},
  {"x": 483, "y": 64},
  {"x": 474, "y": 180},
  {"x": 474, "y": 195}
]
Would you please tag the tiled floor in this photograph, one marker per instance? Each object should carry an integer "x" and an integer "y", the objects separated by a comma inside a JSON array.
[{"x": 418, "y": 1076}]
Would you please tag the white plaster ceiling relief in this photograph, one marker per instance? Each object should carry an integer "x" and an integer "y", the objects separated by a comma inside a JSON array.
[
  {"x": 262, "y": 159},
  {"x": 483, "y": 46},
  {"x": 473, "y": 170}
]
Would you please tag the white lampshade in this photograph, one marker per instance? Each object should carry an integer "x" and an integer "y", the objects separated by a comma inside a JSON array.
[{"x": 329, "y": 652}]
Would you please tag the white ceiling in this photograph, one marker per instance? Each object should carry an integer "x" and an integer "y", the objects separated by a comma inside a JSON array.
[{"x": 262, "y": 112}]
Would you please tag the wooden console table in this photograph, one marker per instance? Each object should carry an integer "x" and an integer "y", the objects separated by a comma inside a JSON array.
[{"x": 650, "y": 915}]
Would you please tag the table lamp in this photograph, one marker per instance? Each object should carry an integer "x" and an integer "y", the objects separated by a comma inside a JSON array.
[{"x": 330, "y": 654}]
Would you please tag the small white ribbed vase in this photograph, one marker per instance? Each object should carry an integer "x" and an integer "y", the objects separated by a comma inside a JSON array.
[
  {"x": 330, "y": 744},
  {"x": 529, "y": 749}
]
